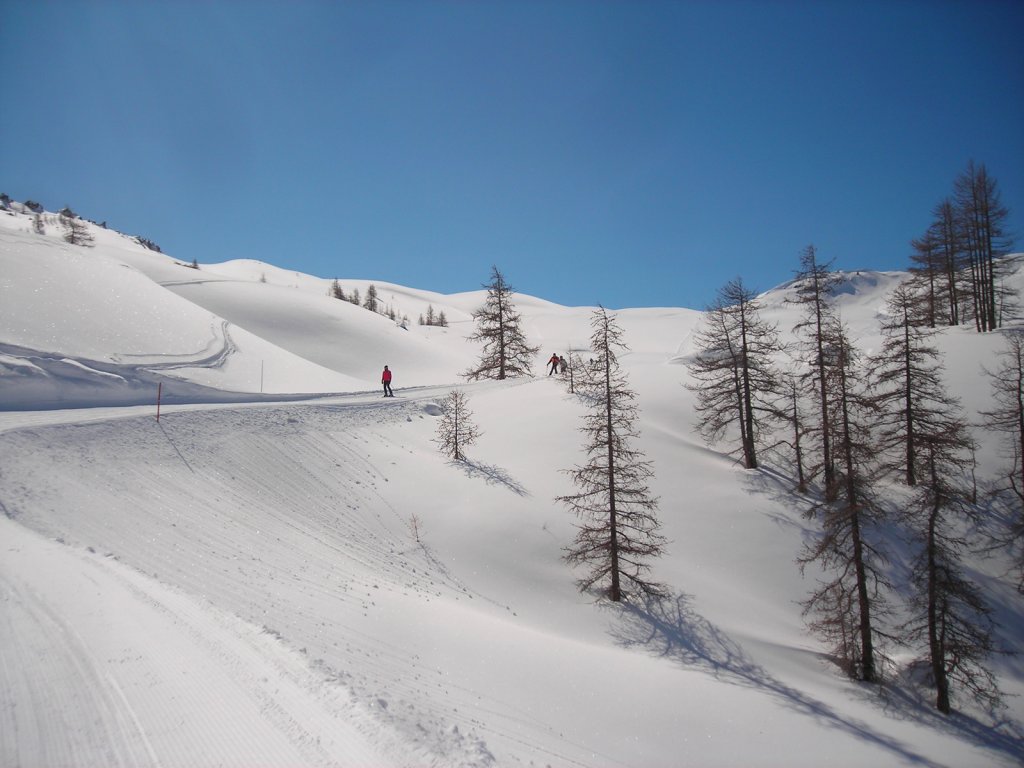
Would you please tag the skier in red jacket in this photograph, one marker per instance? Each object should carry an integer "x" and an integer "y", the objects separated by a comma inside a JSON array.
[{"x": 385, "y": 379}]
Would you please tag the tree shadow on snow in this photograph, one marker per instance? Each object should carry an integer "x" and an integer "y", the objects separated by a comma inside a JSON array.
[
  {"x": 910, "y": 702},
  {"x": 670, "y": 628},
  {"x": 492, "y": 475}
]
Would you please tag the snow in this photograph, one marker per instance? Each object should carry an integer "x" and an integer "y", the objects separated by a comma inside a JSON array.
[{"x": 241, "y": 582}]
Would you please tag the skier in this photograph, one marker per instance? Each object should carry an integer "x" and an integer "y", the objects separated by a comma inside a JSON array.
[
  {"x": 553, "y": 362},
  {"x": 385, "y": 379},
  {"x": 562, "y": 365}
]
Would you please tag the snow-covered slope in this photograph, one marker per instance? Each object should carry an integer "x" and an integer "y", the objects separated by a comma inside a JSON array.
[{"x": 310, "y": 583}]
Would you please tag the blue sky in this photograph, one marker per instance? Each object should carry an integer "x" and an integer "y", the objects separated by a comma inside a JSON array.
[{"x": 628, "y": 153}]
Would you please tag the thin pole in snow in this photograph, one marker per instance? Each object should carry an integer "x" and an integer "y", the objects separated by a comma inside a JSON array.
[
  {"x": 159, "y": 392},
  {"x": 261, "y": 377}
]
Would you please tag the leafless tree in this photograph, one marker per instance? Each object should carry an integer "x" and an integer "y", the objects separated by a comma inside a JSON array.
[
  {"x": 937, "y": 266},
  {"x": 455, "y": 429},
  {"x": 506, "y": 353},
  {"x": 1007, "y": 383},
  {"x": 76, "y": 231},
  {"x": 906, "y": 380},
  {"x": 814, "y": 284},
  {"x": 950, "y": 617},
  {"x": 618, "y": 533},
  {"x": 846, "y": 605},
  {"x": 736, "y": 383},
  {"x": 981, "y": 218},
  {"x": 372, "y": 301}
]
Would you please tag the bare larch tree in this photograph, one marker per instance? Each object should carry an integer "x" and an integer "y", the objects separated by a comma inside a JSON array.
[
  {"x": 847, "y": 603},
  {"x": 736, "y": 383},
  {"x": 506, "y": 353},
  {"x": 455, "y": 429},
  {"x": 907, "y": 389},
  {"x": 949, "y": 615},
  {"x": 813, "y": 287},
  {"x": 617, "y": 535},
  {"x": 982, "y": 221}
]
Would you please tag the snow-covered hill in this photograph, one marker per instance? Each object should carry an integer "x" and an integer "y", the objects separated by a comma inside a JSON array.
[{"x": 265, "y": 576}]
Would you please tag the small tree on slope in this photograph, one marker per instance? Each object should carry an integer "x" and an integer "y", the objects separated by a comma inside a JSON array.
[
  {"x": 506, "y": 353},
  {"x": 456, "y": 429},
  {"x": 618, "y": 531}
]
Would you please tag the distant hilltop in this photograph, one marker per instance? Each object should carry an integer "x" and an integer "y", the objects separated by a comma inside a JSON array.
[{"x": 65, "y": 223}]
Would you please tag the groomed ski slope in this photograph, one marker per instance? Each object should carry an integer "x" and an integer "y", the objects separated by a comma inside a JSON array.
[{"x": 244, "y": 584}]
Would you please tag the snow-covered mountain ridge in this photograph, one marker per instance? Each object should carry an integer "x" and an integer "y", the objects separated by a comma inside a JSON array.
[{"x": 242, "y": 583}]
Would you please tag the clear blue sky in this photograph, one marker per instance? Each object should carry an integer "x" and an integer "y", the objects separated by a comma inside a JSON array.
[{"x": 630, "y": 153}]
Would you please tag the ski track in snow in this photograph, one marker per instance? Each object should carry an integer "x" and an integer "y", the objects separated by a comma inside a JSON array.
[
  {"x": 172, "y": 682},
  {"x": 184, "y": 499}
]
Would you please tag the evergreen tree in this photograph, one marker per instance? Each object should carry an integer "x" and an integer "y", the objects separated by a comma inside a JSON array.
[
  {"x": 506, "y": 353},
  {"x": 813, "y": 287},
  {"x": 354, "y": 297},
  {"x": 618, "y": 531},
  {"x": 430, "y": 315},
  {"x": 736, "y": 382},
  {"x": 455, "y": 429},
  {"x": 846, "y": 605},
  {"x": 442, "y": 321},
  {"x": 337, "y": 291}
]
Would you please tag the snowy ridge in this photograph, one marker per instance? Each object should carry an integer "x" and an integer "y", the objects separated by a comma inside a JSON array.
[{"x": 243, "y": 582}]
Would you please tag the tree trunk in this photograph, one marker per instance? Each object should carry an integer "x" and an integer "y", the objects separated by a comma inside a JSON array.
[{"x": 615, "y": 592}]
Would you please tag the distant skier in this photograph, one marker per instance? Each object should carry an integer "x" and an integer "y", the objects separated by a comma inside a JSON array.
[
  {"x": 385, "y": 379},
  {"x": 562, "y": 365},
  {"x": 553, "y": 362}
]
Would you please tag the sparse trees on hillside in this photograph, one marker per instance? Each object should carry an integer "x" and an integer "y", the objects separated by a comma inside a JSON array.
[
  {"x": 336, "y": 290},
  {"x": 434, "y": 318},
  {"x": 506, "y": 353},
  {"x": 618, "y": 533},
  {"x": 76, "y": 231},
  {"x": 845, "y": 606},
  {"x": 814, "y": 284},
  {"x": 455, "y": 429},
  {"x": 736, "y": 384},
  {"x": 371, "y": 302}
]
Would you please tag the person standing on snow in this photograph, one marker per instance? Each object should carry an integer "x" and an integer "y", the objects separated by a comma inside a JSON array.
[
  {"x": 385, "y": 379},
  {"x": 553, "y": 362}
]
